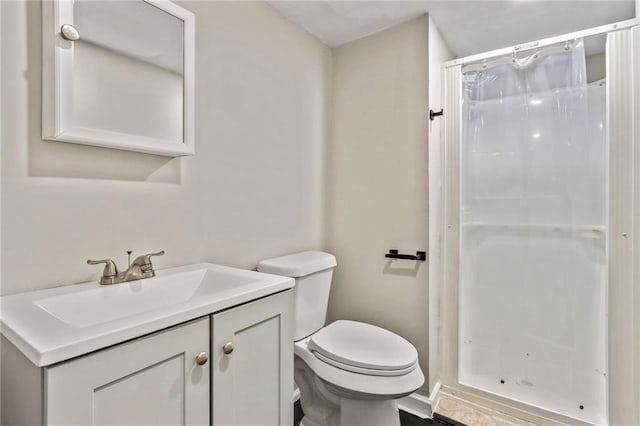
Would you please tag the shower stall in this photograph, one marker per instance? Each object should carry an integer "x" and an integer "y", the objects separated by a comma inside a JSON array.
[{"x": 538, "y": 279}]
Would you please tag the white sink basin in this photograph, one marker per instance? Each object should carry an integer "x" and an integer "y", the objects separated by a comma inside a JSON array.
[
  {"x": 110, "y": 302},
  {"x": 56, "y": 324}
]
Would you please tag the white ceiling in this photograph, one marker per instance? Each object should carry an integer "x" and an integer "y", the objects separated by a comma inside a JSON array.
[{"x": 468, "y": 26}]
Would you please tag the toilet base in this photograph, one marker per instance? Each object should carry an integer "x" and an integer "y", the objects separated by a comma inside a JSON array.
[{"x": 324, "y": 405}]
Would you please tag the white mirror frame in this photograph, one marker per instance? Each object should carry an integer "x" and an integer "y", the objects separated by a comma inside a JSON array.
[{"x": 57, "y": 87}]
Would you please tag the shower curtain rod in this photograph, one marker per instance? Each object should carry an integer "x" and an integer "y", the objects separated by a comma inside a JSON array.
[
  {"x": 544, "y": 42},
  {"x": 539, "y": 54}
]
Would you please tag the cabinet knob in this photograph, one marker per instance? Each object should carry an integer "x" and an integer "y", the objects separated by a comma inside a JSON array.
[
  {"x": 68, "y": 32},
  {"x": 202, "y": 358},
  {"x": 227, "y": 348}
]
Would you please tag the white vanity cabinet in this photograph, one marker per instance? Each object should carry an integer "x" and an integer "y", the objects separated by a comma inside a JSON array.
[
  {"x": 253, "y": 383},
  {"x": 153, "y": 380},
  {"x": 159, "y": 378}
]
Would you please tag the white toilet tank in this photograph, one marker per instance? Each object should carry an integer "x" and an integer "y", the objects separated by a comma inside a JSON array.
[{"x": 312, "y": 271}]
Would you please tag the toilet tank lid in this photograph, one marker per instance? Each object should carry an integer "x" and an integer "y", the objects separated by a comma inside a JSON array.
[{"x": 298, "y": 264}]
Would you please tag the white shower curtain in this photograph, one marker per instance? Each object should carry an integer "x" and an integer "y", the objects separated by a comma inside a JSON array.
[{"x": 533, "y": 238}]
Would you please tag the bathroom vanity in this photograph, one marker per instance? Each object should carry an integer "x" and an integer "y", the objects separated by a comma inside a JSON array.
[{"x": 200, "y": 344}]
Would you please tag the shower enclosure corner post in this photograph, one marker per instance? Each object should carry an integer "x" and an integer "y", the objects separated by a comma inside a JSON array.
[
  {"x": 623, "y": 122},
  {"x": 451, "y": 232}
]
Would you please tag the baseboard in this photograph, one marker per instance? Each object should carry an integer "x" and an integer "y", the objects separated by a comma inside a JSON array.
[
  {"x": 420, "y": 405},
  {"x": 415, "y": 404}
]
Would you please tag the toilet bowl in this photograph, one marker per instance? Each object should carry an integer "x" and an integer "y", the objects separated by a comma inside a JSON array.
[{"x": 349, "y": 373}]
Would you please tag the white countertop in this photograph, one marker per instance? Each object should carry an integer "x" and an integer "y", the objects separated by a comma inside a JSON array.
[{"x": 53, "y": 325}]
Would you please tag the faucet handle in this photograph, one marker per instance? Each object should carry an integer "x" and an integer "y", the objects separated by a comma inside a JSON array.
[
  {"x": 144, "y": 262},
  {"x": 110, "y": 268},
  {"x": 147, "y": 258},
  {"x": 148, "y": 255}
]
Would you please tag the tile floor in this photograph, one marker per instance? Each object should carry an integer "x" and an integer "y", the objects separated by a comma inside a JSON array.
[{"x": 407, "y": 419}]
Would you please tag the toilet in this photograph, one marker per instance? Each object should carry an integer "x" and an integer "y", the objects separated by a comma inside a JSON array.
[{"x": 349, "y": 373}]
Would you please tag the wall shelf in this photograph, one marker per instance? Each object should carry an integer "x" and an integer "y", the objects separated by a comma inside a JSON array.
[{"x": 590, "y": 231}]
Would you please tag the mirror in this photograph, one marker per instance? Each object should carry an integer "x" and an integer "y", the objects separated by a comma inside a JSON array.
[{"x": 120, "y": 75}]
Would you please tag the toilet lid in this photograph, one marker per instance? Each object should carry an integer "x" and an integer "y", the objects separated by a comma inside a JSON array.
[{"x": 363, "y": 346}]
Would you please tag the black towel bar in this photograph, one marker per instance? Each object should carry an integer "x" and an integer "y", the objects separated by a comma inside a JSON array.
[{"x": 420, "y": 255}]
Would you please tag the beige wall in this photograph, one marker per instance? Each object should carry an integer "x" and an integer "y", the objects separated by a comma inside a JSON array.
[
  {"x": 254, "y": 189},
  {"x": 596, "y": 67},
  {"x": 377, "y": 190},
  {"x": 256, "y": 186}
]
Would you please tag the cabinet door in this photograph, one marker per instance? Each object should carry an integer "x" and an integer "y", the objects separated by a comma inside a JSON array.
[
  {"x": 154, "y": 380},
  {"x": 253, "y": 385}
]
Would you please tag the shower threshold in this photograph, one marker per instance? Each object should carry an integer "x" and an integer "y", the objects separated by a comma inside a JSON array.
[{"x": 453, "y": 411}]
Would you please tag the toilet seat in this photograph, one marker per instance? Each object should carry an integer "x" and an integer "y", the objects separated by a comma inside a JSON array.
[
  {"x": 365, "y": 385},
  {"x": 363, "y": 348},
  {"x": 367, "y": 371}
]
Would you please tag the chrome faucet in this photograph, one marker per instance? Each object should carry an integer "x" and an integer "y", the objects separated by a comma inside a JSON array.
[{"x": 140, "y": 268}]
